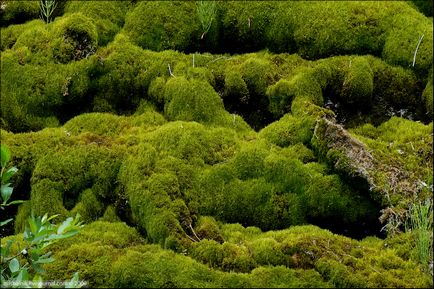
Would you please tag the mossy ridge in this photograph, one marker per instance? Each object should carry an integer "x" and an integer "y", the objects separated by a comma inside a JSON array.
[
  {"x": 269, "y": 83},
  {"x": 311, "y": 257},
  {"x": 353, "y": 28},
  {"x": 395, "y": 166},
  {"x": 269, "y": 187}
]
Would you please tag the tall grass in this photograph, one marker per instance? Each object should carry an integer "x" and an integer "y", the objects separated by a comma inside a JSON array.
[{"x": 421, "y": 221}]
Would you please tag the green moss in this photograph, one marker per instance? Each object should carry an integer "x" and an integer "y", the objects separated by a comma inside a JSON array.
[
  {"x": 168, "y": 25},
  {"x": 329, "y": 198},
  {"x": 257, "y": 73},
  {"x": 110, "y": 215},
  {"x": 156, "y": 90},
  {"x": 67, "y": 176},
  {"x": 108, "y": 16},
  {"x": 281, "y": 277},
  {"x": 244, "y": 27},
  {"x": 401, "y": 41},
  {"x": 267, "y": 251},
  {"x": 427, "y": 96},
  {"x": 98, "y": 124},
  {"x": 289, "y": 130},
  {"x": 358, "y": 83},
  {"x": 192, "y": 101},
  {"x": 44, "y": 94},
  {"x": 71, "y": 31},
  {"x": 15, "y": 12},
  {"x": 88, "y": 206},
  {"x": 249, "y": 161},
  {"x": 208, "y": 228},
  {"x": 235, "y": 87},
  {"x": 284, "y": 92},
  {"x": 10, "y": 34},
  {"x": 397, "y": 85},
  {"x": 24, "y": 211}
]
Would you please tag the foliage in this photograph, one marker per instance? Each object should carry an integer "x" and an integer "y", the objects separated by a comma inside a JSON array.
[
  {"x": 206, "y": 11},
  {"x": 421, "y": 221},
  {"x": 38, "y": 235},
  {"x": 47, "y": 8}
]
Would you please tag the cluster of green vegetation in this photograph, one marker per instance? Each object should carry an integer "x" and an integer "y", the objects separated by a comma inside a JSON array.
[{"x": 194, "y": 169}]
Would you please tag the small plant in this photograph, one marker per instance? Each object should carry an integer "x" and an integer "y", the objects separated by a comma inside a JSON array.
[
  {"x": 206, "y": 11},
  {"x": 5, "y": 176},
  {"x": 24, "y": 269},
  {"x": 421, "y": 221},
  {"x": 47, "y": 8}
]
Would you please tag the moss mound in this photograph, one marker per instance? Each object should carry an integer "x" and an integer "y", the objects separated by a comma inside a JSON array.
[{"x": 272, "y": 150}]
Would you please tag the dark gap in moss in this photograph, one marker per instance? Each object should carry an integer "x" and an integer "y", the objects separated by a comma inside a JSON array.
[
  {"x": 369, "y": 227},
  {"x": 380, "y": 111},
  {"x": 356, "y": 231},
  {"x": 254, "y": 110},
  {"x": 123, "y": 211},
  {"x": 70, "y": 199}
]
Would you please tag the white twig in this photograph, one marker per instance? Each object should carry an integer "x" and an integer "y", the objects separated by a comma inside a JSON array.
[
  {"x": 191, "y": 238},
  {"x": 170, "y": 70},
  {"x": 417, "y": 47},
  {"x": 194, "y": 232}
]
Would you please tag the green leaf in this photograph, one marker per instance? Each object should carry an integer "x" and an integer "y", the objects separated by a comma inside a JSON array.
[
  {"x": 8, "y": 174},
  {"x": 6, "y": 192},
  {"x": 16, "y": 202},
  {"x": 5, "y": 155},
  {"x": 23, "y": 276},
  {"x": 64, "y": 225},
  {"x": 37, "y": 281},
  {"x": 2, "y": 223},
  {"x": 45, "y": 260},
  {"x": 38, "y": 268},
  {"x": 74, "y": 282},
  {"x": 33, "y": 226},
  {"x": 14, "y": 265}
]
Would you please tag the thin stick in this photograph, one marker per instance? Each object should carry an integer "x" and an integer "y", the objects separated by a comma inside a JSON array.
[
  {"x": 194, "y": 232},
  {"x": 417, "y": 47},
  {"x": 170, "y": 71}
]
